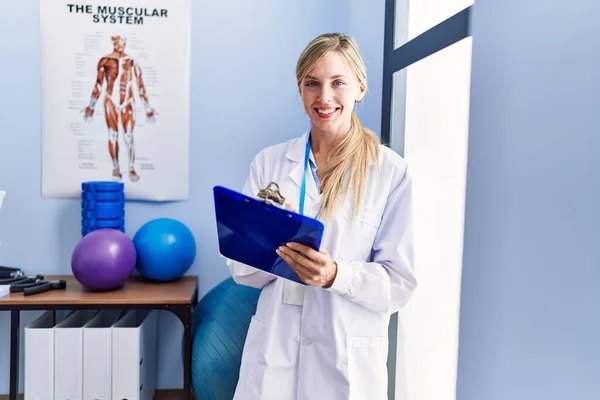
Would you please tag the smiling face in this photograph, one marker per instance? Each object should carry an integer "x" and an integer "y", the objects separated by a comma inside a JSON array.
[{"x": 329, "y": 91}]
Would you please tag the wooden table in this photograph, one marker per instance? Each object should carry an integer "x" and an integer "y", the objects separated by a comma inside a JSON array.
[{"x": 179, "y": 297}]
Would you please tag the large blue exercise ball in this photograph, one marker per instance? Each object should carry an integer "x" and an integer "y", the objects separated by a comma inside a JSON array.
[
  {"x": 219, "y": 328},
  {"x": 165, "y": 248}
]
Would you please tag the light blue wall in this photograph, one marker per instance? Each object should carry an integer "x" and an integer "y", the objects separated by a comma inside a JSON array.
[
  {"x": 243, "y": 98},
  {"x": 530, "y": 325}
]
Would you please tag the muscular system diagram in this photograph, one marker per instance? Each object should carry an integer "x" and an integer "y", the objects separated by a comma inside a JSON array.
[{"x": 121, "y": 74}]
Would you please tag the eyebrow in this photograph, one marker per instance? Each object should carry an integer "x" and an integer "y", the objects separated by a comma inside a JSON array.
[{"x": 333, "y": 77}]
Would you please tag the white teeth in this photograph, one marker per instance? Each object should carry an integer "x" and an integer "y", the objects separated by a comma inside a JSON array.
[{"x": 328, "y": 111}]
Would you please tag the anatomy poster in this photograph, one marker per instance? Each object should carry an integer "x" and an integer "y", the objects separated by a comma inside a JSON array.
[{"x": 115, "y": 96}]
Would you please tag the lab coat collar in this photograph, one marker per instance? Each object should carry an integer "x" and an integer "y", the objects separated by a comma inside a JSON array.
[
  {"x": 296, "y": 151},
  {"x": 296, "y": 154}
]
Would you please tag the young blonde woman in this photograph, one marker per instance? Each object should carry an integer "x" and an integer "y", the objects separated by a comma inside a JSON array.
[{"x": 328, "y": 339}]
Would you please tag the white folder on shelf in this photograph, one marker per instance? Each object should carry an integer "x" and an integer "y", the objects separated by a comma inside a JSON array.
[
  {"x": 134, "y": 355},
  {"x": 97, "y": 355},
  {"x": 68, "y": 355},
  {"x": 38, "y": 368}
]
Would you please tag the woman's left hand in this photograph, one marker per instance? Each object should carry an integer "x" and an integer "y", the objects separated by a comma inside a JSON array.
[{"x": 315, "y": 268}]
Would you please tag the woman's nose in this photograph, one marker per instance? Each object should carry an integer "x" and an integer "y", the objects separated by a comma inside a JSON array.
[{"x": 325, "y": 95}]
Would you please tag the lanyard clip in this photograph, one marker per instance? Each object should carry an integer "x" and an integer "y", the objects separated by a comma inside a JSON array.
[{"x": 271, "y": 194}]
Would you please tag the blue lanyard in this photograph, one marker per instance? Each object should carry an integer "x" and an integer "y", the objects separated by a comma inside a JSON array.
[{"x": 303, "y": 187}]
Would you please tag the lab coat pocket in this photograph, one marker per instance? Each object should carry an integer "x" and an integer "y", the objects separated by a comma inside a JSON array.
[
  {"x": 369, "y": 219},
  {"x": 251, "y": 355},
  {"x": 367, "y": 359},
  {"x": 359, "y": 234}
]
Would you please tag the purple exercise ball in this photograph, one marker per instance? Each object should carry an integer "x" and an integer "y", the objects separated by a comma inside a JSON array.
[{"x": 103, "y": 259}]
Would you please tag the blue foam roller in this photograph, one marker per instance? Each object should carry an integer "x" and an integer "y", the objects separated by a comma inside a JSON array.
[
  {"x": 103, "y": 196},
  {"x": 103, "y": 213},
  {"x": 102, "y": 223},
  {"x": 99, "y": 186},
  {"x": 94, "y": 204},
  {"x": 85, "y": 231}
]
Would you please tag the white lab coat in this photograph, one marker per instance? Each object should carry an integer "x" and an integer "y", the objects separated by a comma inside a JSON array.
[{"x": 334, "y": 345}]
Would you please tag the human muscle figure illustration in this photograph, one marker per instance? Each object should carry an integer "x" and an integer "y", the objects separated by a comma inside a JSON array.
[{"x": 121, "y": 73}]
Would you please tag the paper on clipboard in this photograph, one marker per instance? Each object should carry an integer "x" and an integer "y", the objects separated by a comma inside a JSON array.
[{"x": 250, "y": 230}]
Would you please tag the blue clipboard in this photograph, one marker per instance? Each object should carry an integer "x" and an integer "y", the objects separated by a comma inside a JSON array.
[{"x": 250, "y": 230}]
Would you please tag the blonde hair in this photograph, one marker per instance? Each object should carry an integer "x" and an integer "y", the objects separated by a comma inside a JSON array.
[{"x": 351, "y": 154}]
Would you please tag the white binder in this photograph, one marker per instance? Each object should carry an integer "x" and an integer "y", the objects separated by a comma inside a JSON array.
[
  {"x": 38, "y": 368},
  {"x": 134, "y": 355},
  {"x": 97, "y": 355},
  {"x": 68, "y": 355}
]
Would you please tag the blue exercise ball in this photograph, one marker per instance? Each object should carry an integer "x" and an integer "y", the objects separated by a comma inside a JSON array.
[
  {"x": 165, "y": 249},
  {"x": 219, "y": 328}
]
